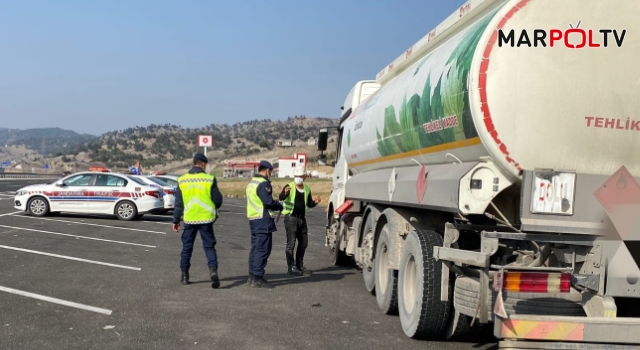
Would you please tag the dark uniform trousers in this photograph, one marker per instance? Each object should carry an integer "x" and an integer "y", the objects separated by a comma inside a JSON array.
[
  {"x": 296, "y": 227},
  {"x": 208, "y": 243},
  {"x": 260, "y": 250}
]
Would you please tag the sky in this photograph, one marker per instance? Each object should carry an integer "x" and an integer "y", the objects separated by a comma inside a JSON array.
[{"x": 97, "y": 66}]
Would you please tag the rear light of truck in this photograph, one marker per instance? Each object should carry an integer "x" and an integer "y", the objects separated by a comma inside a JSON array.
[
  {"x": 153, "y": 194},
  {"x": 533, "y": 282}
]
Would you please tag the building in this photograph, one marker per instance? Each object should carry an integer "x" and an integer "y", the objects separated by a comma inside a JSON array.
[
  {"x": 312, "y": 141},
  {"x": 284, "y": 143},
  {"x": 240, "y": 168},
  {"x": 286, "y": 165}
]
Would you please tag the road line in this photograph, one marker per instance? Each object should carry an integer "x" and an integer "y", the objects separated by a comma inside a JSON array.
[
  {"x": 15, "y": 212},
  {"x": 55, "y": 300},
  {"x": 86, "y": 223},
  {"x": 7, "y": 195},
  {"x": 71, "y": 258},
  {"x": 83, "y": 237}
]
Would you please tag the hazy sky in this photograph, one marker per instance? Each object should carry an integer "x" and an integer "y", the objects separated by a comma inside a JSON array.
[{"x": 96, "y": 66}]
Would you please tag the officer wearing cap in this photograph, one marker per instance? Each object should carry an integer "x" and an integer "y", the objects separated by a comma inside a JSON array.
[
  {"x": 198, "y": 198},
  {"x": 260, "y": 208}
]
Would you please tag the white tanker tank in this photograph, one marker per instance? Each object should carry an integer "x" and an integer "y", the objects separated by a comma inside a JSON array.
[
  {"x": 465, "y": 90},
  {"x": 471, "y": 177}
]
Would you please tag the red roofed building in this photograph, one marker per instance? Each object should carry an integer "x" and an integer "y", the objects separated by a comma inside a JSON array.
[{"x": 240, "y": 168}]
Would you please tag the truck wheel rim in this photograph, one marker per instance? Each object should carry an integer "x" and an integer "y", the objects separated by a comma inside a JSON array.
[
  {"x": 38, "y": 206},
  {"x": 383, "y": 271},
  {"x": 125, "y": 210},
  {"x": 410, "y": 284}
]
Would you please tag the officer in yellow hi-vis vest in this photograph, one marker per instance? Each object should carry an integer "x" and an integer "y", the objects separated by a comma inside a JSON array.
[
  {"x": 260, "y": 208},
  {"x": 297, "y": 198},
  {"x": 198, "y": 197}
]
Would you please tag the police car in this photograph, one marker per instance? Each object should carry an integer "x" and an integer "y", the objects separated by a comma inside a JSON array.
[
  {"x": 167, "y": 191},
  {"x": 91, "y": 193}
]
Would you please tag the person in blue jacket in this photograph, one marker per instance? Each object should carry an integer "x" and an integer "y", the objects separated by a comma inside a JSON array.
[{"x": 260, "y": 208}]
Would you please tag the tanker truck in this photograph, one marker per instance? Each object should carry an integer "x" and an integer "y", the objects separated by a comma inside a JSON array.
[{"x": 477, "y": 177}]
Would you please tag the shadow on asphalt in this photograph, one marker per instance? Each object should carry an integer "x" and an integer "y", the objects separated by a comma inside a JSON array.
[{"x": 281, "y": 279}]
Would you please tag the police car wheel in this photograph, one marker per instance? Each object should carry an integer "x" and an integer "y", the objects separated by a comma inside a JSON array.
[
  {"x": 126, "y": 210},
  {"x": 38, "y": 206}
]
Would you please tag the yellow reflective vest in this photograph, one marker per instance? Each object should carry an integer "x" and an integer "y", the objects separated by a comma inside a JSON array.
[
  {"x": 255, "y": 208},
  {"x": 196, "y": 195},
  {"x": 289, "y": 201}
]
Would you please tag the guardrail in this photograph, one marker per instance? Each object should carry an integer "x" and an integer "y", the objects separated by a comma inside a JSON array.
[{"x": 28, "y": 176}]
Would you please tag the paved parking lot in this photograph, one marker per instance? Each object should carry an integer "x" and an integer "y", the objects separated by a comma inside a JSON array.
[{"x": 94, "y": 282}]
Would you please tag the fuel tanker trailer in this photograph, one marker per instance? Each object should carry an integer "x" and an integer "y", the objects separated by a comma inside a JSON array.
[{"x": 478, "y": 177}]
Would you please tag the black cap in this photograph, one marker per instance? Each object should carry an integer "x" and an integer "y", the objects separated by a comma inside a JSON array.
[
  {"x": 201, "y": 157},
  {"x": 265, "y": 164}
]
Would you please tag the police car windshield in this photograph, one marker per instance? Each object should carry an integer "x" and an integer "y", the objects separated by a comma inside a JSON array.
[
  {"x": 135, "y": 179},
  {"x": 159, "y": 182}
]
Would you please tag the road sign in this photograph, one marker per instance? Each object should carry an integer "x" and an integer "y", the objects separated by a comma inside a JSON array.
[
  {"x": 6, "y": 163},
  {"x": 46, "y": 166},
  {"x": 133, "y": 170},
  {"x": 205, "y": 141}
]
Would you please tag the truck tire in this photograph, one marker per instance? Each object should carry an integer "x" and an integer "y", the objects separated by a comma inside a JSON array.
[
  {"x": 338, "y": 257},
  {"x": 368, "y": 272},
  {"x": 460, "y": 329},
  {"x": 386, "y": 279},
  {"x": 467, "y": 295},
  {"x": 422, "y": 314}
]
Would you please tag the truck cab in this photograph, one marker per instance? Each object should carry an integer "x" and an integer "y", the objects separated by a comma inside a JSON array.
[{"x": 358, "y": 94}]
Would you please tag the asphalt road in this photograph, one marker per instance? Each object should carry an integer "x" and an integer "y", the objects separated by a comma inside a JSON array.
[{"x": 125, "y": 279}]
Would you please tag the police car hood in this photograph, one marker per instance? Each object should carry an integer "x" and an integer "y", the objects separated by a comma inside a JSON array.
[{"x": 36, "y": 187}]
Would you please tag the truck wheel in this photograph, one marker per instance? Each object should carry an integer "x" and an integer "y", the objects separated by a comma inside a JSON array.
[
  {"x": 386, "y": 279},
  {"x": 460, "y": 329},
  {"x": 38, "y": 206},
  {"x": 422, "y": 314},
  {"x": 338, "y": 257},
  {"x": 368, "y": 264}
]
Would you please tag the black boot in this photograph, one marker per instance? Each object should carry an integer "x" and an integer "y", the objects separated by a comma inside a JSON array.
[
  {"x": 250, "y": 279},
  {"x": 293, "y": 270},
  {"x": 214, "y": 276},
  {"x": 185, "y": 277},
  {"x": 260, "y": 282}
]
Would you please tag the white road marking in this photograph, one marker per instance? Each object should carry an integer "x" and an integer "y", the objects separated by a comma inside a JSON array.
[
  {"x": 83, "y": 237},
  {"x": 86, "y": 223},
  {"x": 7, "y": 195},
  {"x": 15, "y": 212},
  {"x": 55, "y": 300},
  {"x": 71, "y": 258}
]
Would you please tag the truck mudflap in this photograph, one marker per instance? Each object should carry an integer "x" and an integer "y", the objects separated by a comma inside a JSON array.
[{"x": 553, "y": 332}]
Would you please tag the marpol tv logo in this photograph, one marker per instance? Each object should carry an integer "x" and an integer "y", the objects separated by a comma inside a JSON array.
[{"x": 571, "y": 38}]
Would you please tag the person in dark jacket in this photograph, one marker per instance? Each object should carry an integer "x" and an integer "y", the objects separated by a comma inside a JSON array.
[
  {"x": 199, "y": 191},
  {"x": 260, "y": 208}
]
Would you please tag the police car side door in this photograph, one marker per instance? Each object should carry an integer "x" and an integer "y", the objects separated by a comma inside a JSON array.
[
  {"x": 71, "y": 195},
  {"x": 107, "y": 189}
]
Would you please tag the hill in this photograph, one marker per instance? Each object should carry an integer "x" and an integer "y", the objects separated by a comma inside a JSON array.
[
  {"x": 56, "y": 140},
  {"x": 169, "y": 146}
]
